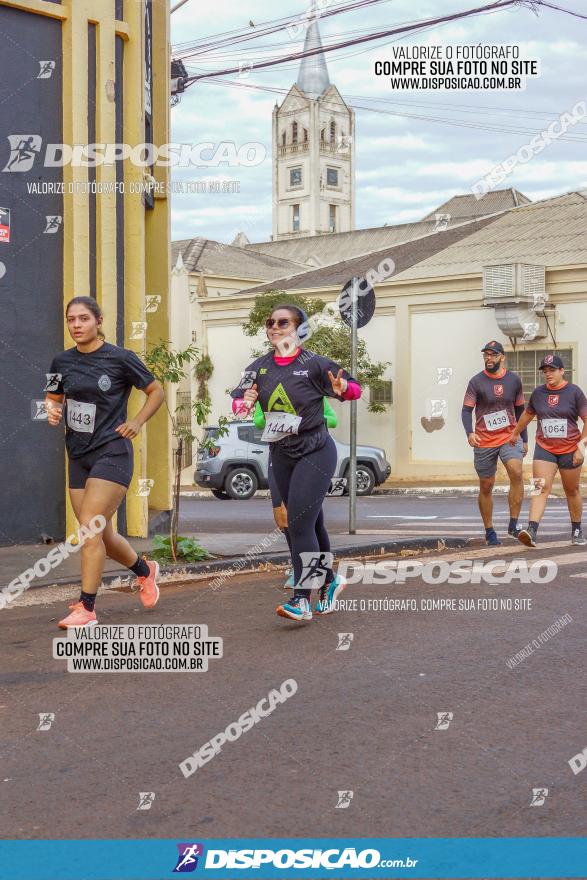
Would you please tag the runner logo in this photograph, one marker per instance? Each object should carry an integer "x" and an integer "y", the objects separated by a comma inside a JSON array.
[
  {"x": 344, "y": 641},
  {"x": 145, "y": 487},
  {"x": 138, "y": 329},
  {"x": 442, "y": 221},
  {"x": 443, "y": 375},
  {"x": 344, "y": 800},
  {"x": 38, "y": 411},
  {"x": 444, "y": 719},
  {"x": 539, "y": 795},
  {"x": 187, "y": 861},
  {"x": 23, "y": 151},
  {"x": 498, "y": 390},
  {"x": 337, "y": 486},
  {"x": 46, "y": 719},
  {"x": 314, "y": 570},
  {"x": 46, "y": 71},
  {"x": 248, "y": 379},
  {"x": 146, "y": 799},
  {"x": 53, "y": 382},
  {"x": 553, "y": 399},
  {"x": 54, "y": 223}
]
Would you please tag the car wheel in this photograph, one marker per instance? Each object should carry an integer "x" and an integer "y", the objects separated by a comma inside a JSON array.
[
  {"x": 219, "y": 493},
  {"x": 241, "y": 484},
  {"x": 365, "y": 480}
]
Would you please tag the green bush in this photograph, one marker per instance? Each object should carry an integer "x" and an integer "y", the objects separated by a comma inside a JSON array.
[{"x": 188, "y": 550}]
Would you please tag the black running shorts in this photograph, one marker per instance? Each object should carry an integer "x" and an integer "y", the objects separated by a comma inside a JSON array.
[{"x": 113, "y": 462}]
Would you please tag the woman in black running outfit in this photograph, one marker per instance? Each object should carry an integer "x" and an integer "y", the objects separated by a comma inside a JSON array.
[
  {"x": 92, "y": 381},
  {"x": 291, "y": 390}
]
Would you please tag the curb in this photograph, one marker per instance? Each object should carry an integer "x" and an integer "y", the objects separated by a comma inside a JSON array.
[
  {"x": 230, "y": 563},
  {"x": 432, "y": 491}
]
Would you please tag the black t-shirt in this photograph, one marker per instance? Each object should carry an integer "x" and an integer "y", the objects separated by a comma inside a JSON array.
[
  {"x": 96, "y": 386},
  {"x": 298, "y": 387}
]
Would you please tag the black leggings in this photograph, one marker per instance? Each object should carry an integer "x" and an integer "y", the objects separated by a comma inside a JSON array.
[
  {"x": 321, "y": 533},
  {"x": 303, "y": 483}
]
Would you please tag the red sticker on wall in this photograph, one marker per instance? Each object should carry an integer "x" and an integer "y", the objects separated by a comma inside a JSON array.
[{"x": 5, "y": 225}]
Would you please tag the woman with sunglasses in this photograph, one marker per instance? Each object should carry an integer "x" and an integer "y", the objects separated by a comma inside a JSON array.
[
  {"x": 290, "y": 383},
  {"x": 560, "y": 445},
  {"x": 279, "y": 508}
]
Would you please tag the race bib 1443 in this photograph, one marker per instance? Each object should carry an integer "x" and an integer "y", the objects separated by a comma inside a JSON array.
[{"x": 81, "y": 416}]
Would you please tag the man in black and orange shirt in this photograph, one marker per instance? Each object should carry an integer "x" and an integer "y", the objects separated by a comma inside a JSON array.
[
  {"x": 557, "y": 405},
  {"x": 498, "y": 400}
]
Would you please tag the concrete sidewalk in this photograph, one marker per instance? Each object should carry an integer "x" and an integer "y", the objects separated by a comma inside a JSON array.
[{"x": 227, "y": 550}]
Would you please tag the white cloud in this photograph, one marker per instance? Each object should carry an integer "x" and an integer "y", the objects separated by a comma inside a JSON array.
[{"x": 394, "y": 150}]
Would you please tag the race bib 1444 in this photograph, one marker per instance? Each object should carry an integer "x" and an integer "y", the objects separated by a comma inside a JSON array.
[{"x": 279, "y": 425}]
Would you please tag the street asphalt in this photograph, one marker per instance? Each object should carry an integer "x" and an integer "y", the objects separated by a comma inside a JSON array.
[{"x": 365, "y": 719}]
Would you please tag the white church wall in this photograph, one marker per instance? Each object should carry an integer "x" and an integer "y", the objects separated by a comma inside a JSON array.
[
  {"x": 374, "y": 429},
  {"x": 445, "y": 339}
]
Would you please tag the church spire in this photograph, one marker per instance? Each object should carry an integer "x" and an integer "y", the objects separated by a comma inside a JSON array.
[{"x": 313, "y": 76}]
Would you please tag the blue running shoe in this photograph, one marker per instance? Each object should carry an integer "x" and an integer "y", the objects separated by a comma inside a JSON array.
[
  {"x": 491, "y": 538},
  {"x": 328, "y": 595},
  {"x": 296, "y": 608},
  {"x": 289, "y": 584}
]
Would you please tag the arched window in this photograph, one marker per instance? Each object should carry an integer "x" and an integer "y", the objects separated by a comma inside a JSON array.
[
  {"x": 332, "y": 132},
  {"x": 305, "y": 135},
  {"x": 322, "y": 137},
  {"x": 283, "y": 139},
  {"x": 294, "y": 132}
]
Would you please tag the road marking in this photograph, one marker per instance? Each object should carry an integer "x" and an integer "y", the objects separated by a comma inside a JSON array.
[{"x": 397, "y": 516}]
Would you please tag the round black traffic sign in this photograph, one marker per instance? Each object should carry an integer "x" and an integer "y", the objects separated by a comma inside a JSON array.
[{"x": 365, "y": 301}]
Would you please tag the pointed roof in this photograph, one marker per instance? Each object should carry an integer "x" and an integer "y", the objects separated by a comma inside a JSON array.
[{"x": 313, "y": 76}]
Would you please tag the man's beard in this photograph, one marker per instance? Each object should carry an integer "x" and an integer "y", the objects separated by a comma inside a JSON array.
[{"x": 494, "y": 368}]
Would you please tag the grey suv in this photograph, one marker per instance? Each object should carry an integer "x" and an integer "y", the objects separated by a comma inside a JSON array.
[{"x": 238, "y": 462}]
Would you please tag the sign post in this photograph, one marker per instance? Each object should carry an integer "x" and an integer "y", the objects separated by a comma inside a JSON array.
[
  {"x": 356, "y": 315},
  {"x": 353, "y": 438}
]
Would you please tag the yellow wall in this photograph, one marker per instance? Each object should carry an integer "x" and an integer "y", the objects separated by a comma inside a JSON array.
[{"x": 146, "y": 238}]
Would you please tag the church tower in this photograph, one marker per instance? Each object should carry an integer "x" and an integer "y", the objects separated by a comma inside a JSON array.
[{"x": 313, "y": 153}]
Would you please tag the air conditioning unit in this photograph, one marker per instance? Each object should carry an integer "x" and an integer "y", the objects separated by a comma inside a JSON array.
[{"x": 515, "y": 283}]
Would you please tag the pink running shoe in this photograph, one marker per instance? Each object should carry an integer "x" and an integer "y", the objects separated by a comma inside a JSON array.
[
  {"x": 147, "y": 586},
  {"x": 79, "y": 616}
]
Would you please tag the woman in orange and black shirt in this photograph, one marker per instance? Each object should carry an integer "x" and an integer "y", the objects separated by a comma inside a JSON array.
[{"x": 558, "y": 404}]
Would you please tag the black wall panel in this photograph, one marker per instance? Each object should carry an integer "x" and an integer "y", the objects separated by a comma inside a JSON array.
[{"x": 32, "y": 495}]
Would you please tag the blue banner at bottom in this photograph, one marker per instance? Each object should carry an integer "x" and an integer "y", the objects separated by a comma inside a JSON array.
[{"x": 371, "y": 858}]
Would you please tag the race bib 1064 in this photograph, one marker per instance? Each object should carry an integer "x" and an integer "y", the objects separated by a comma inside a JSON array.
[
  {"x": 279, "y": 425},
  {"x": 81, "y": 416},
  {"x": 554, "y": 427}
]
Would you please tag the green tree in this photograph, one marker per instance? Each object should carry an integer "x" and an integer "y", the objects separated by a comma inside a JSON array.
[
  {"x": 332, "y": 341},
  {"x": 170, "y": 368}
]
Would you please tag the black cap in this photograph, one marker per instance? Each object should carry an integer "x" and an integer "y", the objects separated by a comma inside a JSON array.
[
  {"x": 494, "y": 346},
  {"x": 551, "y": 360}
]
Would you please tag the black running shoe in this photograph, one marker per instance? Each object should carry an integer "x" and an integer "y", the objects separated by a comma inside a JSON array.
[{"x": 527, "y": 536}]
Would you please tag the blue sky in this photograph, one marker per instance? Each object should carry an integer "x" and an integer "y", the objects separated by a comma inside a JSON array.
[{"x": 405, "y": 166}]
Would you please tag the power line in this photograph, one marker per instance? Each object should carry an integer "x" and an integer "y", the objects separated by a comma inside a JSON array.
[
  {"x": 413, "y": 27},
  {"x": 443, "y": 120},
  {"x": 264, "y": 29}
]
